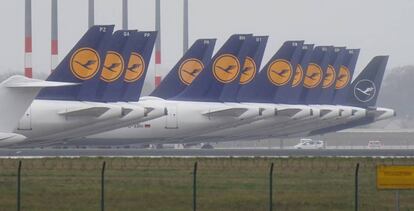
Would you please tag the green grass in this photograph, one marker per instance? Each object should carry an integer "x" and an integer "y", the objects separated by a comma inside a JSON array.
[{"x": 223, "y": 184}]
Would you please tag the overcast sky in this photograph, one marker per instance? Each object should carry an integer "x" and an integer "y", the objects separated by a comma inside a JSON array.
[{"x": 378, "y": 27}]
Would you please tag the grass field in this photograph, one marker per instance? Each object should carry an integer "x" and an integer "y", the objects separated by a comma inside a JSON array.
[{"x": 223, "y": 184}]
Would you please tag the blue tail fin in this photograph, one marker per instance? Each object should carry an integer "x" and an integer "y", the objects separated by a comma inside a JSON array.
[
  {"x": 111, "y": 70},
  {"x": 137, "y": 67},
  {"x": 81, "y": 64},
  {"x": 297, "y": 83},
  {"x": 223, "y": 70},
  {"x": 317, "y": 67},
  {"x": 366, "y": 87},
  {"x": 329, "y": 79},
  {"x": 186, "y": 70},
  {"x": 344, "y": 77},
  {"x": 284, "y": 92},
  {"x": 276, "y": 73},
  {"x": 252, "y": 63}
]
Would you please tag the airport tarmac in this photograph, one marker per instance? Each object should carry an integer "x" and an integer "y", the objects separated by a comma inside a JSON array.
[{"x": 31, "y": 153}]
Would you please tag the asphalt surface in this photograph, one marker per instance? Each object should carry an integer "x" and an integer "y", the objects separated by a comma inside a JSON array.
[{"x": 22, "y": 153}]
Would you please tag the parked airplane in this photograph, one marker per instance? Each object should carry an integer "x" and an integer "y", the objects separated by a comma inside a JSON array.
[
  {"x": 363, "y": 93},
  {"x": 125, "y": 91},
  {"x": 59, "y": 113}
]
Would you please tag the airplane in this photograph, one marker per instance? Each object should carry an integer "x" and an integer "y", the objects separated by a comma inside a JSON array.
[
  {"x": 369, "y": 81},
  {"x": 60, "y": 112},
  {"x": 125, "y": 91},
  {"x": 17, "y": 93}
]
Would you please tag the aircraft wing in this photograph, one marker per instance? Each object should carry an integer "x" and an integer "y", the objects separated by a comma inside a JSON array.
[
  {"x": 10, "y": 138},
  {"x": 23, "y": 82}
]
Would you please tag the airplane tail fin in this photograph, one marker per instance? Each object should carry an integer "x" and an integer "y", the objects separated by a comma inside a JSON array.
[
  {"x": 251, "y": 65},
  {"x": 344, "y": 77},
  {"x": 80, "y": 64},
  {"x": 312, "y": 82},
  {"x": 277, "y": 72},
  {"x": 284, "y": 92},
  {"x": 223, "y": 70},
  {"x": 17, "y": 93},
  {"x": 137, "y": 66},
  {"x": 112, "y": 67},
  {"x": 366, "y": 87},
  {"x": 328, "y": 81},
  {"x": 186, "y": 70},
  {"x": 297, "y": 83}
]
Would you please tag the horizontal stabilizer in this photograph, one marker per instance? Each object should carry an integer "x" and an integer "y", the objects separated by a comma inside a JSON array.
[
  {"x": 11, "y": 136},
  {"x": 126, "y": 111},
  {"x": 354, "y": 111},
  {"x": 226, "y": 112},
  {"x": 290, "y": 112},
  {"x": 18, "y": 81},
  {"x": 90, "y": 112},
  {"x": 324, "y": 112},
  {"x": 148, "y": 110},
  {"x": 376, "y": 113},
  {"x": 381, "y": 113}
]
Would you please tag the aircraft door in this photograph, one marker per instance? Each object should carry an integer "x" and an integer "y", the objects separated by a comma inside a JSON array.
[
  {"x": 171, "y": 121},
  {"x": 25, "y": 122}
]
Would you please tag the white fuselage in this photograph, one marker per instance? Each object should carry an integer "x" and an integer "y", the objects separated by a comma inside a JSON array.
[
  {"x": 185, "y": 120},
  {"x": 338, "y": 115},
  {"x": 282, "y": 114},
  {"x": 52, "y": 119}
]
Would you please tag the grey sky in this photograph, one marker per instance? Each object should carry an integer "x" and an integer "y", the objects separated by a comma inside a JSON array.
[{"x": 375, "y": 26}]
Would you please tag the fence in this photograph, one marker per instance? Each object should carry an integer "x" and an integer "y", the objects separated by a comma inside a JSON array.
[{"x": 195, "y": 184}]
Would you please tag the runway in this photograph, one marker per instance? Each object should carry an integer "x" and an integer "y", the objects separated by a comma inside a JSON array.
[{"x": 34, "y": 153}]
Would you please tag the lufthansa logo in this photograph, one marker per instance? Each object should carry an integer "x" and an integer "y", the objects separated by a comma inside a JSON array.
[
  {"x": 343, "y": 78},
  {"x": 85, "y": 63},
  {"x": 226, "y": 68},
  {"x": 135, "y": 69},
  {"x": 329, "y": 78},
  {"x": 249, "y": 71},
  {"x": 112, "y": 67},
  {"x": 280, "y": 72},
  {"x": 364, "y": 90},
  {"x": 313, "y": 76},
  {"x": 189, "y": 70},
  {"x": 298, "y": 76}
]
